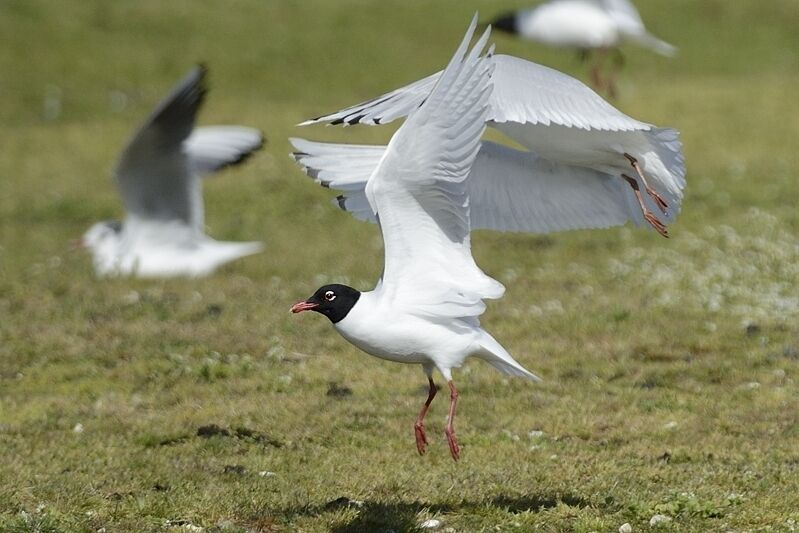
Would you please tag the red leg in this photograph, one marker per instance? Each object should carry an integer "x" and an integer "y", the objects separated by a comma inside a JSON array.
[
  {"x": 653, "y": 221},
  {"x": 454, "y": 449},
  {"x": 659, "y": 201},
  {"x": 418, "y": 427}
]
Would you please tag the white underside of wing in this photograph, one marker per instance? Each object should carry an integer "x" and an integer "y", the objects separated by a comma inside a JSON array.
[
  {"x": 509, "y": 190},
  {"x": 518, "y": 191},
  {"x": 530, "y": 94},
  {"x": 418, "y": 192},
  {"x": 338, "y": 166},
  {"x": 211, "y": 148}
]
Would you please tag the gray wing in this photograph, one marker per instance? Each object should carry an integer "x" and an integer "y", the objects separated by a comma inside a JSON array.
[
  {"x": 525, "y": 93},
  {"x": 509, "y": 190},
  {"x": 153, "y": 173}
]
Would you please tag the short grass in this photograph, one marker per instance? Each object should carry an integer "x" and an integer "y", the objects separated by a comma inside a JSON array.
[{"x": 671, "y": 366}]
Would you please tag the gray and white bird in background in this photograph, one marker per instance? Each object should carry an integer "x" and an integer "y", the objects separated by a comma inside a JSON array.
[
  {"x": 586, "y": 164},
  {"x": 594, "y": 27},
  {"x": 425, "y": 308},
  {"x": 159, "y": 175}
]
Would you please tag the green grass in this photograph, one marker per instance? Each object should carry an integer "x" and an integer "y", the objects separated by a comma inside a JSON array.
[{"x": 657, "y": 398}]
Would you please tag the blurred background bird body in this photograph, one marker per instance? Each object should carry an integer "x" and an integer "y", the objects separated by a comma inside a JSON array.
[
  {"x": 596, "y": 28},
  {"x": 159, "y": 176}
]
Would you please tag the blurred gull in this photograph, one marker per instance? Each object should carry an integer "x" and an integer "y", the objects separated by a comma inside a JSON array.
[
  {"x": 587, "y": 25},
  {"x": 425, "y": 307},
  {"x": 159, "y": 176},
  {"x": 587, "y": 164}
]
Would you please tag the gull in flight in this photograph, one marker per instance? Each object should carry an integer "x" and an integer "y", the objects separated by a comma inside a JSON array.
[
  {"x": 425, "y": 308},
  {"x": 585, "y": 25},
  {"x": 586, "y": 164},
  {"x": 159, "y": 176}
]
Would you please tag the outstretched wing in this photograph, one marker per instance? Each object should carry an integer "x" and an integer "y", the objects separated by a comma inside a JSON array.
[
  {"x": 212, "y": 148},
  {"x": 153, "y": 173},
  {"x": 418, "y": 192},
  {"x": 509, "y": 190},
  {"x": 524, "y": 92}
]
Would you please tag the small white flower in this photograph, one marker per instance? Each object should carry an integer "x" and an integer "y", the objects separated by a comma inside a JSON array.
[{"x": 659, "y": 519}]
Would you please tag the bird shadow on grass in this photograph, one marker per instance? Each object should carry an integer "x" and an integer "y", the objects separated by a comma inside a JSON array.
[{"x": 404, "y": 516}]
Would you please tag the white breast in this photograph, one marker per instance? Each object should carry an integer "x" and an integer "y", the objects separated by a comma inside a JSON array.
[{"x": 388, "y": 333}]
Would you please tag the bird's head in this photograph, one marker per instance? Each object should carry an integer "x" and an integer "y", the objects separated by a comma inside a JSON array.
[
  {"x": 334, "y": 301},
  {"x": 101, "y": 236},
  {"x": 506, "y": 23}
]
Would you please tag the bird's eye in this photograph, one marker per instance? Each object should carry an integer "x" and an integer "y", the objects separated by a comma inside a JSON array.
[{"x": 330, "y": 296}]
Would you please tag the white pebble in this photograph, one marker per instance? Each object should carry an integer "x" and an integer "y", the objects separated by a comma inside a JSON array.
[
  {"x": 431, "y": 524},
  {"x": 659, "y": 519},
  {"x": 626, "y": 528}
]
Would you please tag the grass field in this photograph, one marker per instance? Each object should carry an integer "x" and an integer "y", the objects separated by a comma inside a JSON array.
[{"x": 671, "y": 367}]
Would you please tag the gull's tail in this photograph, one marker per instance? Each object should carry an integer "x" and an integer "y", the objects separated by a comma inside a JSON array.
[
  {"x": 495, "y": 355},
  {"x": 647, "y": 40}
]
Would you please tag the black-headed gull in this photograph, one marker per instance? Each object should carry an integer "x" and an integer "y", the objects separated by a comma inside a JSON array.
[
  {"x": 159, "y": 175},
  {"x": 586, "y": 166},
  {"x": 586, "y": 25},
  {"x": 425, "y": 308}
]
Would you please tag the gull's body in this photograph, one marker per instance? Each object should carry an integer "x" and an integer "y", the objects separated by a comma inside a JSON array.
[
  {"x": 425, "y": 309},
  {"x": 586, "y": 25},
  {"x": 576, "y": 171},
  {"x": 159, "y": 176}
]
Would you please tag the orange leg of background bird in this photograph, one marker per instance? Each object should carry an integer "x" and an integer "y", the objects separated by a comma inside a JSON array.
[
  {"x": 659, "y": 201},
  {"x": 615, "y": 67},
  {"x": 596, "y": 69},
  {"x": 454, "y": 449},
  {"x": 653, "y": 221},
  {"x": 418, "y": 427}
]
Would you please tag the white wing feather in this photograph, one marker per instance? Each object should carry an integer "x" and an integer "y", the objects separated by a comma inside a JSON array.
[
  {"x": 524, "y": 92},
  {"x": 509, "y": 190},
  {"x": 418, "y": 192},
  {"x": 212, "y": 148}
]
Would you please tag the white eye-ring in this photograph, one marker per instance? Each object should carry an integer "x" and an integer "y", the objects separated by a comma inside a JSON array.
[{"x": 330, "y": 296}]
